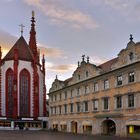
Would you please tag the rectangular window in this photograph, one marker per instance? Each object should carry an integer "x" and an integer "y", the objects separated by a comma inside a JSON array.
[
  {"x": 51, "y": 110},
  {"x": 119, "y": 80},
  {"x": 86, "y": 106},
  {"x": 78, "y": 77},
  {"x": 51, "y": 98},
  {"x": 131, "y": 77},
  {"x": 105, "y": 100},
  {"x": 65, "y": 109},
  {"x": 65, "y": 95},
  {"x": 86, "y": 89},
  {"x": 59, "y": 109},
  {"x": 96, "y": 87},
  {"x": 131, "y": 100},
  {"x": 55, "y": 97},
  {"x": 119, "y": 102},
  {"x": 54, "y": 110},
  {"x": 60, "y": 96},
  {"x": 78, "y": 106},
  {"x": 95, "y": 105},
  {"x": 71, "y": 107},
  {"x": 106, "y": 84},
  {"x": 78, "y": 91},
  {"x": 87, "y": 74},
  {"x": 71, "y": 93}
]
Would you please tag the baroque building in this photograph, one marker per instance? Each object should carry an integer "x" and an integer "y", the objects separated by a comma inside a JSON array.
[
  {"x": 22, "y": 85},
  {"x": 102, "y": 99}
]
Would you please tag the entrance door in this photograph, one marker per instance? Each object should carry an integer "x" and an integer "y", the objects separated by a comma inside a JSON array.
[
  {"x": 108, "y": 127},
  {"x": 74, "y": 127}
]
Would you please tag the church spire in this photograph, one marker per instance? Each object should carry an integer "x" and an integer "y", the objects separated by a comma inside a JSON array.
[{"x": 32, "y": 41}]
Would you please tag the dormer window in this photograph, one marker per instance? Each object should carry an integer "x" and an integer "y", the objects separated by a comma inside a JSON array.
[
  {"x": 78, "y": 77},
  {"x": 87, "y": 74},
  {"x": 131, "y": 56}
]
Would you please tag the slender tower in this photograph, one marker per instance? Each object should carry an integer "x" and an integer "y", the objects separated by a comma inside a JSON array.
[{"x": 33, "y": 46}]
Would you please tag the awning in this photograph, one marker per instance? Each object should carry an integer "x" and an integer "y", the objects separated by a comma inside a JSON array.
[
  {"x": 137, "y": 123},
  {"x": 86, "y": 123},
  {"x": 54, "y": 122},
  {"x": 63, "y": 123}
]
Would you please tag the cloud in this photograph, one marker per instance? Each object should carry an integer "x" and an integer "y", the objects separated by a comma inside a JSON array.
[
  {"x": 118, "y": 4},
  {"x": 51, "y": 51},
  {"x": 8, "y": 0},
  {"x": 115, "y": 4},
  {"x": 60, "y": 16},
  {"x": 6, "y": 41},
  {"x": 62, "y": 68}
]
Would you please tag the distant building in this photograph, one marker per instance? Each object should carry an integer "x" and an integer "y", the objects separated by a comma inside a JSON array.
[
  {"x": 22, "y": 85},
  {"x": 102, "y": 99}
]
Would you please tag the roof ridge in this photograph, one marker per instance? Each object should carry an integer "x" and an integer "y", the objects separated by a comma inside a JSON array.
[{"x": 24, "y": 51}]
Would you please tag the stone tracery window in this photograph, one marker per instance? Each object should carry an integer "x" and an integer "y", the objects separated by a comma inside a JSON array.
[
  {"x": 24, "y": 93},
  {"x": 9, "y": 92}
]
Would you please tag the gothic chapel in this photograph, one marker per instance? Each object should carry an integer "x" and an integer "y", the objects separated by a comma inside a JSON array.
[{"x": 22, "y": 85}]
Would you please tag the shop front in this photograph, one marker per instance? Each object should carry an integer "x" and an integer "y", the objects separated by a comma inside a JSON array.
[
  {"x": 87, "y": 127},
  {"x": 55, "y": 126},
  {"x": 20, "y": 124},
  {"x": 63, "y": 125},
  {"x": 133, "y": 128},
  {"x": 28, "y": 125}
]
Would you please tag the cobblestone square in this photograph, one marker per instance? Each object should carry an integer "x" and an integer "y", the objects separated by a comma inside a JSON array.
[{"x": 43, "y": 135}]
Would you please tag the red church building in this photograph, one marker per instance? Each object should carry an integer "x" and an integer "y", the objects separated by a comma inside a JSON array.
[{"x": 22, "y": 85}]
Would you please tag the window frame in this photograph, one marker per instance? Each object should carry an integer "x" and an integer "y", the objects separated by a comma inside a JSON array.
[
  {"x": 78, "y": 107},
  {"x": 106, "y": 106},
  {"x": 118, "y": 102},
  {"x": 131, "y": 77},
  {"x": 94, "y": 105},
  {"x": 119, "y": 80},
  {"x": 86, "y": 107},
  {"x": 106, "y": 84},
  {"x": 96, "y": 87},
  {"x": 131, "y": 101}
]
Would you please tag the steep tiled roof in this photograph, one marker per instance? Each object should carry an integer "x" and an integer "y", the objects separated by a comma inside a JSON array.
[
  {"x": 67, "y": 81},
  {"x": 107, "y": 65},
  {"x": 24, "y": 52}
]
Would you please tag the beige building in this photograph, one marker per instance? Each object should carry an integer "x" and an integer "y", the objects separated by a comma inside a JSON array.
[{"x": 102, "y": 99}]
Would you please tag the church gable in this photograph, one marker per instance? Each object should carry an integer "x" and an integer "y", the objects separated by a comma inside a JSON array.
[
  {"x": 23, "y": 94},
  {"x": 130, "y": 54},
  {"x": 23, "y": 50}
]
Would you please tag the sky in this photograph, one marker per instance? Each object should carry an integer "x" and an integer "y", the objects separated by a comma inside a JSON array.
[{"x": 67, "y": 29}]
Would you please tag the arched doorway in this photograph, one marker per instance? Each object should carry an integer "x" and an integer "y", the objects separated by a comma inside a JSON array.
[
  {"x": 74, "y": 127},
  {"x": 108, "y": 127}
]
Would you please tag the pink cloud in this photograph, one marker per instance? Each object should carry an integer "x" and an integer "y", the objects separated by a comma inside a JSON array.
[{"x": 61, "y": 16}]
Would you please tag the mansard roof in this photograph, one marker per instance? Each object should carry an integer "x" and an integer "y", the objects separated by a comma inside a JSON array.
[{"x": 24, "y": 52}]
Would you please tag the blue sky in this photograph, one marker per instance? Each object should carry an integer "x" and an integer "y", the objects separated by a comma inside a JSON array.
[{"x": 66, "y": 29}]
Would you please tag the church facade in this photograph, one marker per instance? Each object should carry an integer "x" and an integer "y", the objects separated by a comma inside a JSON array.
[
  {"x": 102, "y": 99},
  {"x": 22, "y": 85}
]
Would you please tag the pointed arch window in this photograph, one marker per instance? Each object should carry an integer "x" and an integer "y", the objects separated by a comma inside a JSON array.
[
  {"x": 9, "y": 92},
  {"x": 24, "y": 93}
]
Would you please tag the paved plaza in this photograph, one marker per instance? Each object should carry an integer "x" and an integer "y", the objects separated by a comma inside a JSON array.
[{"x": 43, "y": 135}]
